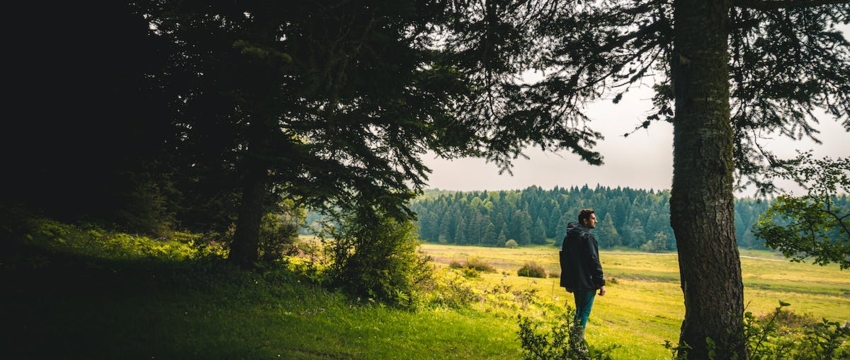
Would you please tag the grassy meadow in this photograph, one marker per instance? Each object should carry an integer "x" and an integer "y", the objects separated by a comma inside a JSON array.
[
  {"x": 644, "y": 304},
  {"x": 83, "y": 293}
]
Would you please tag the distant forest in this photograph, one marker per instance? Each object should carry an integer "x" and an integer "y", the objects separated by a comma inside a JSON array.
[{"x": 630, "y": 218}]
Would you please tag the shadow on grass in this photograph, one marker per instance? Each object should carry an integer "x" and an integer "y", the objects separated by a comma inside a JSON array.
[{"x": 65, "y": 306}]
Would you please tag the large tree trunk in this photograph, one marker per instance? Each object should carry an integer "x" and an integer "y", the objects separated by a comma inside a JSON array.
[
  {"x": 701, "y": 203},
  {"x": 244, "y": 251}
]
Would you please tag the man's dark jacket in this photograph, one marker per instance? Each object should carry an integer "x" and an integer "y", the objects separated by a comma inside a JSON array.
[{"x": 579, "y": 258}]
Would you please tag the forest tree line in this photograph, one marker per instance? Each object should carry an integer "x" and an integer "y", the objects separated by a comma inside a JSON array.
[{"x": 632, "y": 218}]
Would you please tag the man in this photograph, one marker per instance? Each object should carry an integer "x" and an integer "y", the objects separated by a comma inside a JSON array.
[{"x": 581, "y": 270}]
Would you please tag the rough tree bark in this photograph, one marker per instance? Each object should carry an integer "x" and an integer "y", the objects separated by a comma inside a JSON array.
[{"x": 701, "y": 203}]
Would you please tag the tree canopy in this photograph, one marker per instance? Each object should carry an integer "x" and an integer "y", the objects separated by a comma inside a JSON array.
[{"x": 815, "y": 225}]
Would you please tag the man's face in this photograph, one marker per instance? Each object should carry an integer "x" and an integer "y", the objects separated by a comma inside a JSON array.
[{"x": 591, "y": 221}]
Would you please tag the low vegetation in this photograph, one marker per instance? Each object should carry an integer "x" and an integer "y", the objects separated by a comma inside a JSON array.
[
  {"x": 531, "y": 269},
  {"x": 82, "y": 292}
]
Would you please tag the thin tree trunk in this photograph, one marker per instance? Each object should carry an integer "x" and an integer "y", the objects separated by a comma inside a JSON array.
[{"x": 702, "y": 199}]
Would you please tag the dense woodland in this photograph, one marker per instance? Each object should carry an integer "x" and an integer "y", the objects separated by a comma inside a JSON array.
[{"x": 628, "y": 217}]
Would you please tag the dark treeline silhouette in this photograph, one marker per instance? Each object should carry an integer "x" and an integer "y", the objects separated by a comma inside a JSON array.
[{"x": 632, "y": 218}]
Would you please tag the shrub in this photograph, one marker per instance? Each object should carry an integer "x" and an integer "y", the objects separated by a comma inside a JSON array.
[
  {"x": 559, "y": 343},
  {"x": 146, "y": 209},
  {"x": 511, "y": 244},
  {"x": 374, "y": 256},
  {"x": 277, "y": 238},
  {"x": 532, "y": 270},
  {"x": 784, "y": 335},
  {"x": 446, "y": 289},
  {"x": 480, "y": 265},
  {"x": 470, "y": 273}
]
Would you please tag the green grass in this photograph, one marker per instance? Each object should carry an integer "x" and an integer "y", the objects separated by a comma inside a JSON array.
[
  {"x": 72, "y": 293},
  {"x": 644, "y": 306}
]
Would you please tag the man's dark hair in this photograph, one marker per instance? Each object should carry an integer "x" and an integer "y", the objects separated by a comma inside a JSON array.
[{"x": 584, "y": 214}]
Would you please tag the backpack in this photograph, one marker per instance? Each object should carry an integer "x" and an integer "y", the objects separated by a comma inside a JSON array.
[{"x": 568, "y": 276}]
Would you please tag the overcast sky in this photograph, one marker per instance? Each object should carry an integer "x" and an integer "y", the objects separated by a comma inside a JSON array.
[{"x": 643, "y": 160}]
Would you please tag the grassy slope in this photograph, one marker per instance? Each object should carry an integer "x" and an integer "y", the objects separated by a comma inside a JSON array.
[
  {"x": 112, "y": 312},
  {"x": 56, "y": 305}
]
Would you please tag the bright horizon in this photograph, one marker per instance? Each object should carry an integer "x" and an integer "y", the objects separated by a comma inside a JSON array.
[{"x": 643, "y": 160}]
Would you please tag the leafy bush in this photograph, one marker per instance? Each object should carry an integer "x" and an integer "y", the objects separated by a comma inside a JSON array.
[
  {"x": 277, "y": 238},
  {"x": 784, "y": 335},
  {"x": 511, "y": 244},
  {"x": 146, "y": 209},
  {"x": 449, "y": 290},
  {"x": 470, "y": 273},
  {"x": 531, "y": 269},
  {"x": 558, "y": 343},
  {"x": 374, "y": 256},
  {"x": 472, "y": 267},
  {"x": 480, "y": 265}
]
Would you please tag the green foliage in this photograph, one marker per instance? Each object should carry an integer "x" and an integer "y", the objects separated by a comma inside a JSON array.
[
  {"x": 103, "y": 304},
  {"x": 374, "y": 257},
  {"x": 560, "y": 342},
  {"x": 450, "y": 291},
  {"x": 784, "y": 335},
  {"x": 279, "y": 231},
  {"x": 447, "y": 217},
  {"x": 511, "y": 244},
  {"x": 473, "y": 263},
  {"x": 472, "y": 267},
  {"x": 480, "y": 264},
  {"x": 659, "y": 244},
  {"x": 146, "y": 209},
  {"x": 92, "y": 241},
  {"x": 96, "y": 306},
  {"x": 815, "y": 226},
  {"x": 532, "y": 269},
  {"x": 470, "y": 273}
]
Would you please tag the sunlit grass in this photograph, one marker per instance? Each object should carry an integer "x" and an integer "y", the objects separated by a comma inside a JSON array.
[
  {"x": 97, "y": 295},
  {"x": 644, "y": 305}
]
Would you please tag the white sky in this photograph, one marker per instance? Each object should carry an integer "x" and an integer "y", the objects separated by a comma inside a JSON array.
[{"x": 643, "y": 160}]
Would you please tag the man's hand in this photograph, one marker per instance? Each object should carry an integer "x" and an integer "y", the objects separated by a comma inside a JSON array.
[{"x": 602, "y": 290}]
